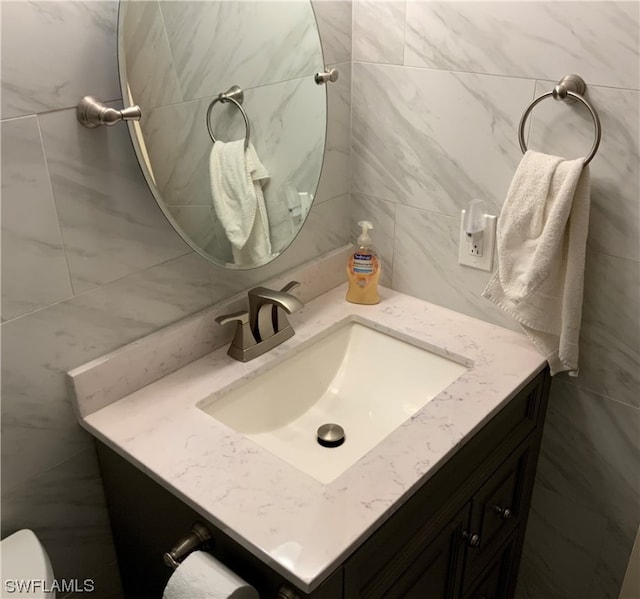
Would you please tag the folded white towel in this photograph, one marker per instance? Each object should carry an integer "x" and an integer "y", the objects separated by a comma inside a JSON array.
[
  {"x": 237, "y": 177},
  {"x": 541, "y": 247}
]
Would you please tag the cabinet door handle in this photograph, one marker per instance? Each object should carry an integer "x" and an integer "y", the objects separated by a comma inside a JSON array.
[
  {"x": 472, "y": 539},
  {"x": 504, "y": 512}
]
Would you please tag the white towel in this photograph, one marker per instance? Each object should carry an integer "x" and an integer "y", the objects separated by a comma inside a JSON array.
[
  {"x": 541, "y": 247},
  {"x": 237, "y": 177}
]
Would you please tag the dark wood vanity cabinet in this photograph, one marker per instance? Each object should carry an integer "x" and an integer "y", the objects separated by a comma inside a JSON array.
[{"x": 459, "y": 535}]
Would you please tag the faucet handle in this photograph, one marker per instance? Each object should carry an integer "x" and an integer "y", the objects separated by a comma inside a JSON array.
[
  {"x": 242, "y": 317},
  {"x": 267, "y": 308},
  {"x": 279, "y": 318},
  {"x": 290, "y": 286},
  {"x": 243, "y": 338}
]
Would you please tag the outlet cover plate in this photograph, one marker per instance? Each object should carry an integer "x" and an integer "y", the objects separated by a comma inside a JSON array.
[{"x": 484, "y": 262}]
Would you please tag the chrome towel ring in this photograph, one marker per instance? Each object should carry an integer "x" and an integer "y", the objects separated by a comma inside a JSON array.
[
  {"x": 235, "y": 95},
  {"x": 569, "y": 89}
]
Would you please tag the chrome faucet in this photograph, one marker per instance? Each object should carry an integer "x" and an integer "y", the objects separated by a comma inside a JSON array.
[{"x": 265, "y": 325}]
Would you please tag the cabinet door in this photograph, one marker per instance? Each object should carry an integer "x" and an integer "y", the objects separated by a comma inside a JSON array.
[
  {"x": 496, "y": 511},
  {"x": 426, "y": 566},
  {"x": 495, "y": 581}
]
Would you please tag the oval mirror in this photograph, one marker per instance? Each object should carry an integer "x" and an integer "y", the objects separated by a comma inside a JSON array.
[{"x": 237, "y": 186}]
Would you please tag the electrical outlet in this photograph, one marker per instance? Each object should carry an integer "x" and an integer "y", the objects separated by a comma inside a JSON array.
[
  {"x": 475, "y": 244},
  {"x": 477, "y": 252}
]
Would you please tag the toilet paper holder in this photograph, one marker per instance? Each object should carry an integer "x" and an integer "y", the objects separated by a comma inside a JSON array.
[{"x": 199, "y": 538}]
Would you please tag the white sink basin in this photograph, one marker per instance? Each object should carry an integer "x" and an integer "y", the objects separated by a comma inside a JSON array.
[{"x": 366, "y": 381}]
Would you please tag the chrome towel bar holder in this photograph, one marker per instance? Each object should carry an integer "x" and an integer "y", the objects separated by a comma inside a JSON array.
[
  {"x": 235, "y": 95},
  {"x": 570, "y": 89},
  {"x": 327, "y": 76},
  {"x": 93, "y": 113}
]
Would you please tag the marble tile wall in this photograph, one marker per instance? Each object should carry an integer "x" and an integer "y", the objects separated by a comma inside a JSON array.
[
  {"x": 250, "y": 54},
  {"x": 89, "y": 263},
  {"x": 437, "y": 97}
]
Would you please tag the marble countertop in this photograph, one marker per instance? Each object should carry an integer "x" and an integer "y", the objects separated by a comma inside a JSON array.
[{"x": 296, "y": 525}]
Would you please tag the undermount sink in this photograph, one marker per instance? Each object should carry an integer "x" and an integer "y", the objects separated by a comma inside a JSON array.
[{"x": 366, "y": 381}]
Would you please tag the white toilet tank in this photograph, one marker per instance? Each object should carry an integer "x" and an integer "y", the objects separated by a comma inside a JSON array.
[{"x": 26, "y": 569}]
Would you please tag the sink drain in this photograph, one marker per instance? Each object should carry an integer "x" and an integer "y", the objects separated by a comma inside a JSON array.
[{"x": 331, "y": 435}]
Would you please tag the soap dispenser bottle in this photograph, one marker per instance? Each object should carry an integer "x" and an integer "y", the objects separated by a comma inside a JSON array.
[{"x": 363, "y": 269}]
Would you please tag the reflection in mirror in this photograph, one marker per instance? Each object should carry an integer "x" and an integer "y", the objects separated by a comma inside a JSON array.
[{"x": 238, "y": 209}]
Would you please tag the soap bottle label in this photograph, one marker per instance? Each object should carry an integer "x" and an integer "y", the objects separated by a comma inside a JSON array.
[{"x": 363, "y": 264}]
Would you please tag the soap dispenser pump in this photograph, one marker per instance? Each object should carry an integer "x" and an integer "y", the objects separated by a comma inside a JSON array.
[{"x": 363, "y": 269}]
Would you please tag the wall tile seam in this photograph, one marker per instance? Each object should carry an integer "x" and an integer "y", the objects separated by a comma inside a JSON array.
[
  {"x": 251, "y": 88},
  {"x": 97, "y": 288},
  {"x": 552, "y": 81},
  {"x": 623, "y": 88},
  {"x": 33, "y": 478},
  {"x": 393, "y": 246},
  {"x": 54, "y": 110},
  {"x": 378, "y": 199},
  {"x": 528, "y": 124},
  {"x": 536, "y": 79},
  {"x": 353, "y": 25},
  {"x": 601, "y": 396},
  {"x": 425, "y": 210},
  {"x": 326, "y": 201},
  {"x": 349, "y": 65},
  {"x": 609, "y": 255},
  {"x": 165, "y": 36},
  {"x": 313, "y": 205},
  {"x": 336, "y": 64},
  {"x": 211, "y": 277},
  {"x": 55, "y": 208},
  {"x": 351, "y": 79},
  {"x": 384, "y": 63},
  {"x": 405, "y": 23},
  {"x": 18, "y": 118},
  {"x": 61, "y": 230}
]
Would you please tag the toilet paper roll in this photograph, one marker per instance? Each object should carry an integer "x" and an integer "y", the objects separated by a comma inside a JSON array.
[{"x": 202, "y": 576}]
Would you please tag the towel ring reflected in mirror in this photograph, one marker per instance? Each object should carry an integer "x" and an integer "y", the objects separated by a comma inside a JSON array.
[
  {"x": 235, "y": 95},
  {"x": 177, "y": 85},
  {"x": 570, "y": 89}
]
